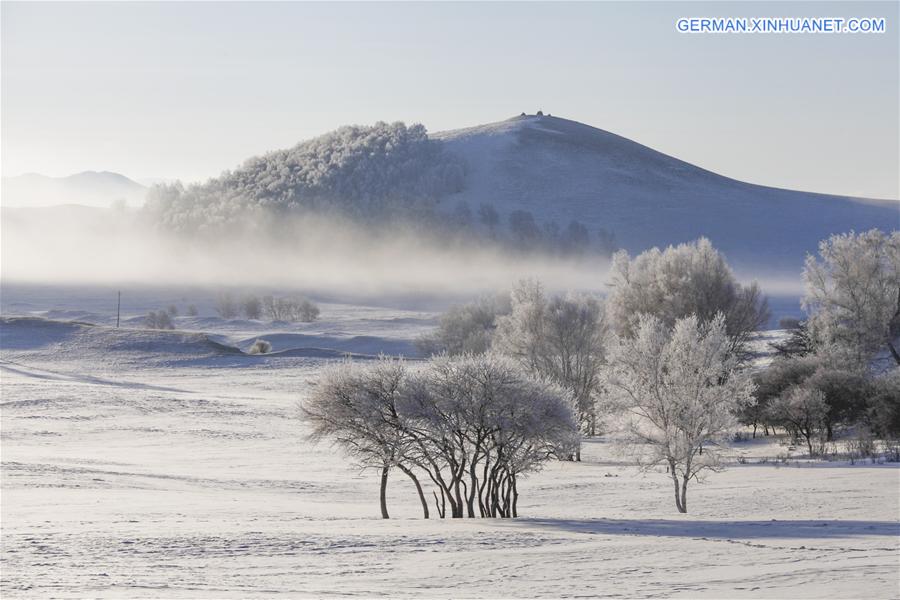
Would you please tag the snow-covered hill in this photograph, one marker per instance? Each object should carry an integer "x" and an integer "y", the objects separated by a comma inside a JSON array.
[{"x": 561, "y": 170}]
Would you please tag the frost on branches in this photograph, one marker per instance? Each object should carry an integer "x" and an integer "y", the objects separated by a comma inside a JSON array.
[
  {"x": 853, "y": 293},
  {"x": 681, "y": 386}
]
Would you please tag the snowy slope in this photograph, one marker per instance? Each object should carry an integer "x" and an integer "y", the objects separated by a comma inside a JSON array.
[{"x": 561, "y": 170}]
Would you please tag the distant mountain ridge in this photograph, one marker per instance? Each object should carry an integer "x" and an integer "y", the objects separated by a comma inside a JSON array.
[{"x": 93, "y": 188}]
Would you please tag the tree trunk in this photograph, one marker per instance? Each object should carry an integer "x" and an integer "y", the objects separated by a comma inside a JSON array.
[
  {"x": 418, "y": 489},
  {"x": 677, "y": 488},
  {"x": 442, "y": 505},
  {"x": 384, "y": 478},
  {"x": 515, "y": 498},
  {"x": 684, "y": 494}
]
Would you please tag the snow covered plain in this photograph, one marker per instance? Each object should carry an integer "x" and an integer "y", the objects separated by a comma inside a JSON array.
[{"x": 155, "y": 464}]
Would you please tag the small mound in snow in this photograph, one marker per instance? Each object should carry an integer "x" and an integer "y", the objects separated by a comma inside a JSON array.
[{"x": 283, "y": 343}]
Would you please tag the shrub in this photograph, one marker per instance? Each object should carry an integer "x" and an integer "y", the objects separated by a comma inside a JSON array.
[
  {"x": 159, "y": 320},
  {"x": 260, "y": 347}
]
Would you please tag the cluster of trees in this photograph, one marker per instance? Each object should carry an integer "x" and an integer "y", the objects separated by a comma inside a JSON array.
[
  {"x": 356, "y": 171},
  {"x": 822, "y": 382},
  {"x": 275, "y": 309},
  {"x": 523, "y": 232},
  {"x": 667, "y": 349},
  {"x": 469, "y": 425}
]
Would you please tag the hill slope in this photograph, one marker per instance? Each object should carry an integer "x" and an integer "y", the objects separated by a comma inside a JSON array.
[{"x": 562, "y": 170}]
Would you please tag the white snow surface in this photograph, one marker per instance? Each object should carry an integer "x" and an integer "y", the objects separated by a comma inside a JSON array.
[{"x": 148, "y": 464}]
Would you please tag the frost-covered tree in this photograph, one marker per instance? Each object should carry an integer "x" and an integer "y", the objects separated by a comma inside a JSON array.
[
  {"x": 683, "y": 280},
  {"x": 562, "y": 338},
  {"x": 289, "y": 309},
  {"x": 307, "y": 311},
  {"x": 159, "y": 320},
  {"x": 226, "y": 306},
  {"x": 681, "y": 386},
  {"x": 357, "y": 171},
  {"x": 466, "y": 328},
  {"x": 801, "y": 409},
  {"x": 480, "y": 423},
  {"x": 853, "y": 292},
  {"x": 356, "y": 407},
  {"x": 473, "y": 425},
  {"x": 252, "y": 307},
  {"x": 192, "y": 310}
]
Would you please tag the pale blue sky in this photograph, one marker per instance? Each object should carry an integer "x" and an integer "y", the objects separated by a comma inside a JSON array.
[{"x": 179, "y": 90}]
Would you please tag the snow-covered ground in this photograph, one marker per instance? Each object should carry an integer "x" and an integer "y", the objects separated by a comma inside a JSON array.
[{"x": 157, "y": 464}]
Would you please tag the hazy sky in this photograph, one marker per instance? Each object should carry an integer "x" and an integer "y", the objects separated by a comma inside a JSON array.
[{"x": 186, "y": 90}]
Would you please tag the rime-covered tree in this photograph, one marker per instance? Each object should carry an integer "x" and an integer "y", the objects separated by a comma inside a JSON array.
[
  {"x": 356, "y": 407},
  {"x": 681, "y": 386},
  {"x": 358, "y": 171},
  {"x": 159, "y": 320},
  {"x": 853, "y": 292},
  {"x": 562, "y": 338},
  {"x": 466, "y": 328},
  {"x": 226, "y": 306},
  {"x": 801, "y": 409},
  {"x": 252, "y": 307},
  {"x": 683, "y": 280},
  {"x": 481, "y": 422}
]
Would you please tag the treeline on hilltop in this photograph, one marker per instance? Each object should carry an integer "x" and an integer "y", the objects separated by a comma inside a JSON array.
[{"x": 355, "y": 170}]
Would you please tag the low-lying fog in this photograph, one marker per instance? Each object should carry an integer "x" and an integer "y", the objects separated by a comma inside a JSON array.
[{"x": 72, "y": 245}]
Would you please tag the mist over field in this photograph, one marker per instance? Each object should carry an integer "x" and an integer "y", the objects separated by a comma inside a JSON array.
[{"x": 72, "y": 245}]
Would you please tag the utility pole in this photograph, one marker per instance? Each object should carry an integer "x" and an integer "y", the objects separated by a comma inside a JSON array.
[{"x": 118, "y": 309}]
